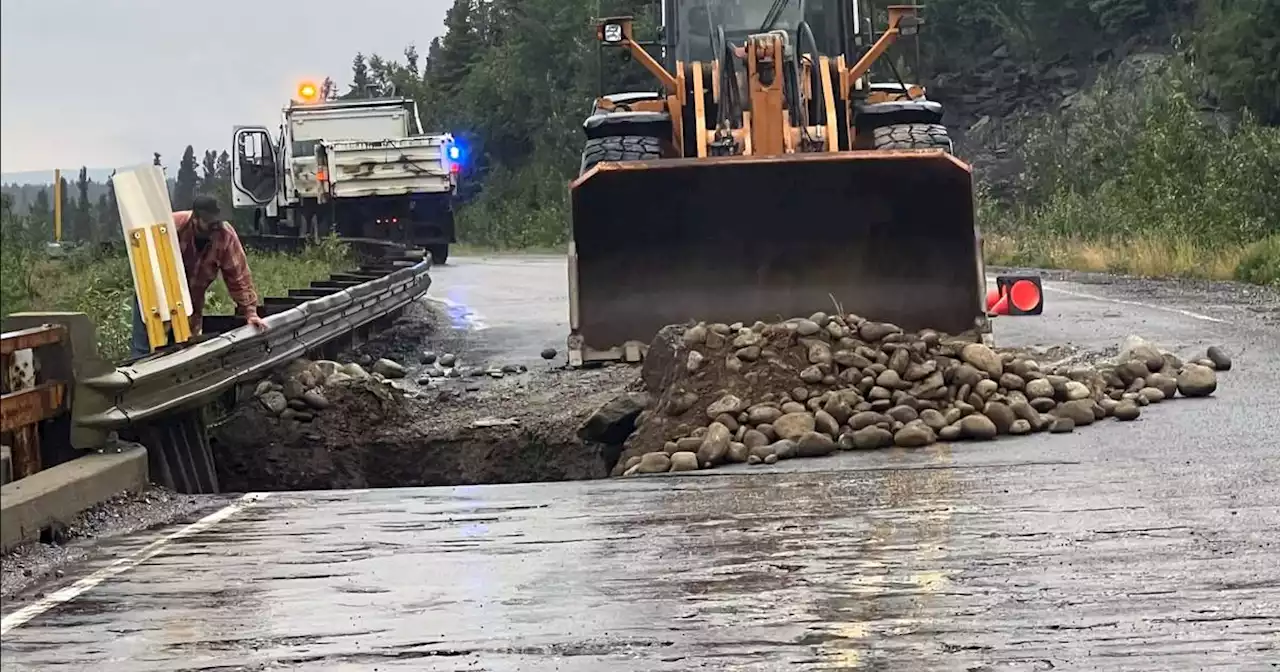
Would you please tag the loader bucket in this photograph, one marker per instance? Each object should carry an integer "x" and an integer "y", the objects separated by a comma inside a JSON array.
[{"x": 887, "y": 235}]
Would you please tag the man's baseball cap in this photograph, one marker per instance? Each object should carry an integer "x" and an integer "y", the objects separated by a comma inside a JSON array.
[{"x": 206, "y": 207}]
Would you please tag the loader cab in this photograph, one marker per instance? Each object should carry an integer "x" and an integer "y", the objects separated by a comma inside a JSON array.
[{"x": 692, "y": 26}]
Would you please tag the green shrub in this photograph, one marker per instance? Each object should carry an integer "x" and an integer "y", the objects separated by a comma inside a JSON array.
[
  {"x": 100, "y": 284},
  {"x": 1137, "y": 165},
  {"x": 1239, "y": 44},
  {"x": 1136, "y": 155},
  {"x": 523, "y": 208},
  {"x": 275, "y": 273},
  {"x": 1261, "y": 263}
]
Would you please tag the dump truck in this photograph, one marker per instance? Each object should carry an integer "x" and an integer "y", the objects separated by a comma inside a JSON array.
[
  {"x": 361, "y": 168},
  {"x": 770, "y": 177}
]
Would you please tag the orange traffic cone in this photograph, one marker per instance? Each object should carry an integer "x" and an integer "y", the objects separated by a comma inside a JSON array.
[
  {"x": 993, "y": 295},
  {"x": 1001, "y": 306}
]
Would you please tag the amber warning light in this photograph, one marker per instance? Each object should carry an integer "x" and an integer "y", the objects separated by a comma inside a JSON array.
[{"x": 308, "y": 92}]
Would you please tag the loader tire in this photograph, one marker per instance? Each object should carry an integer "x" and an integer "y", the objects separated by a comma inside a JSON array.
[
  {"x": 913, "y": 136},
  {"x": 619, "y": 148}
]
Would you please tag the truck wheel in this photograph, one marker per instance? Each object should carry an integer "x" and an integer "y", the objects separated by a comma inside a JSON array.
[
  {"x": 619, "y": 148},
  {"x": 439, "y": 253},
  {"x": 913, "y": 136}
]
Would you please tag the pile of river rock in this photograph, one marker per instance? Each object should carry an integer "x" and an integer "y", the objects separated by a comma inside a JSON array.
[
  {"x": 807, "y": 387},
  {"x": 297, "y": 392}
]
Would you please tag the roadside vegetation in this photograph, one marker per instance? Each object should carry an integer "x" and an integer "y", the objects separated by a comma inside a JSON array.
[
  {"x": 1138, "y": 177},
  {"x": 97, "y": 281},
  {"x": 1160, "y": 176}
]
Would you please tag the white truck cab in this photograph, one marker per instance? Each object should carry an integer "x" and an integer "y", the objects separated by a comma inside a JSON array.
[{"x": 362, "y": 168}]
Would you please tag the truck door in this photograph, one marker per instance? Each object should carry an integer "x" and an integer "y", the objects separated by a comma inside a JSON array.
[{"x": 255, "y": 173}]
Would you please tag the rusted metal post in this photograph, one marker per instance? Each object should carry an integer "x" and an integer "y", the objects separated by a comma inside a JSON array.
[
  {"x": 25, "y": 402},
  {"x": 20, "y": 376}
]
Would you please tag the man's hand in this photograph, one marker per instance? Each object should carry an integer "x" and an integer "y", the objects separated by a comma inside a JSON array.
[{"x": 257, "y": 323}]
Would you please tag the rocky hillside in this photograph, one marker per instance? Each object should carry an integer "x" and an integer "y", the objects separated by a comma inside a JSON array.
[{"x": 994, "y": 81}]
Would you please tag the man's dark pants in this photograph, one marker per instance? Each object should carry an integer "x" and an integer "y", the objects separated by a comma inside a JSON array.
[{"x": 139, "y": 344}]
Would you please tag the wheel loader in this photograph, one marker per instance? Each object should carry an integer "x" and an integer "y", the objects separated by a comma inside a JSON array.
[{"x": 770, "y": 177}]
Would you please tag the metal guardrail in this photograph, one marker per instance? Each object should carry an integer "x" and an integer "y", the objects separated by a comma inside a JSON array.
[
  {"x": 187, "y": 379},
  {"x": 34, "y": 387},
  {"x": 362, "y": 248}
]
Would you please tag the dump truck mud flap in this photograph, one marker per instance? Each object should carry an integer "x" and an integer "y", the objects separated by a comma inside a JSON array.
[{"x": 888, "y": 235}]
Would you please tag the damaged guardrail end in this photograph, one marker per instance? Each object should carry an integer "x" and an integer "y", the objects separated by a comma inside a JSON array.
[{"x": 116, "y": 381}]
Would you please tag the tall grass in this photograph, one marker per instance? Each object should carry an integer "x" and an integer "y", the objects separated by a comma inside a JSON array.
[{"x": 100, "y": 284}]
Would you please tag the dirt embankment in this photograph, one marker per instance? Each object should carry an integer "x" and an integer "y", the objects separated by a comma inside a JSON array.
[{"x": 427, "y": 417}]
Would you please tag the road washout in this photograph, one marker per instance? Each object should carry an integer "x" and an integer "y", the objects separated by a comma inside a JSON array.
[
  {"x": 403, "y": 411},
  {"x": 706, "y": 395}
]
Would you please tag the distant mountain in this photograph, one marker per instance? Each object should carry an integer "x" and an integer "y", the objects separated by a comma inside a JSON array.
[
  {"x": 46, "y": 176},
  {"x": 24, "y": 194}
]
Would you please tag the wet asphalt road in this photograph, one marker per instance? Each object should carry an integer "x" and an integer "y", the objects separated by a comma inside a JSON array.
[{"x": 1152, "y": 545}]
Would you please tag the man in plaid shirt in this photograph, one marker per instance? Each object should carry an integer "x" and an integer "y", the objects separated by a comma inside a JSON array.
[{"x": 210, "y": 247}]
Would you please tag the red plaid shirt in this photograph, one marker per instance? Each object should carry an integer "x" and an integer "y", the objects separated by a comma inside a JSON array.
[{"x": 223, "y": 254}]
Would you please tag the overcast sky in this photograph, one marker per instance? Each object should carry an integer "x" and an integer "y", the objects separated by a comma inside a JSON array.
[{"x": 104, "y": 83}]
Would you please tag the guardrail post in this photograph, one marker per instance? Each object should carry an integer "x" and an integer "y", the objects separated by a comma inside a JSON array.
[{"x": 180, "y": 456}]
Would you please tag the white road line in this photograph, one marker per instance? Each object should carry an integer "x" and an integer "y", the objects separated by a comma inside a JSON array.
[
  {"x": 1081, "y": 295},
  {"x": 1123, "y": 302},
  {"x": 71, "y": 592}
]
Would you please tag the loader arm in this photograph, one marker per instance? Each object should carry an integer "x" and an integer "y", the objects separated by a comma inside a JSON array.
[
  {"x": 770, "y": 129},
  {"x": 903, "y": 20}
]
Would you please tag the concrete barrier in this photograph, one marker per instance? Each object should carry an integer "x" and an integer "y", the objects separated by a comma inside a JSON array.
[{"x": 60, "y": 493}]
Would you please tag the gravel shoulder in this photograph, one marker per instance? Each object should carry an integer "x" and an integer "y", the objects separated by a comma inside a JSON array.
[{"x": 33, "y": 563}]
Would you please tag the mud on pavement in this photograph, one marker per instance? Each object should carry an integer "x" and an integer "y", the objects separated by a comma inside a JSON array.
[{"x": 410, "y": 421}]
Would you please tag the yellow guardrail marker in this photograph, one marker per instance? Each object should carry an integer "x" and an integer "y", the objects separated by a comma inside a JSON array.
[
  {"x": 148, "y": 302},
  {"x": 172, "y": 279},
  {"x": 155, "y": 255}
]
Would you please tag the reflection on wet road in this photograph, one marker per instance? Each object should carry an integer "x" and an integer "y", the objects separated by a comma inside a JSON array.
[
  {"x": 1150, "y": 545},
  {"x": 909, "y": 568}
]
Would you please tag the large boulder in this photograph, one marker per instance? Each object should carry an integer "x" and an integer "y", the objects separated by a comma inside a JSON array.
[
  {"x": 1197, "y": 381},
  {"x": 613, "y": 422}
]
